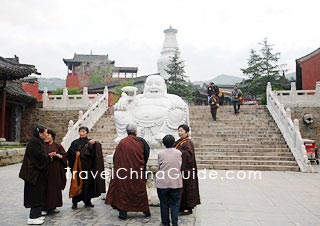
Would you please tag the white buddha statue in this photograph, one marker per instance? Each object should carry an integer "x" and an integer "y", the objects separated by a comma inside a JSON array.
[{"x": 155, "y": 112}]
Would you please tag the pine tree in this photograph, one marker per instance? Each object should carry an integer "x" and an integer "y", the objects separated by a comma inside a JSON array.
[
  {"x": 178, "y": 83},
  {"x": 263, "y": 68},
  {"x": 254, "y": 65},
  {"x": 269, "y": 61}
]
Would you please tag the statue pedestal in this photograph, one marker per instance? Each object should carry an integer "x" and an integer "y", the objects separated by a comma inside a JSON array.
[{"x": 152, "y": 169}]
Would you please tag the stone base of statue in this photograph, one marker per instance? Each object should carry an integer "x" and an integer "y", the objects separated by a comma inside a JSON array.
[{"x": 152, "y": 169}]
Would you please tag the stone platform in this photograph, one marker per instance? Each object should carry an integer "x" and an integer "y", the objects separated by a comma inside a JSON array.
[{"x": 278, "y": 199}]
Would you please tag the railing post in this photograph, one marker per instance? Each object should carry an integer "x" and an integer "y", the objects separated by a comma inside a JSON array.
[
  {"x": 45, "y": 98},
  {"x": 268, "y": 90},
  {"x": 85, "y": 97},
  {"x": 70, "y": 125},
  {"x": 293, "y": 94},
  {"x": 65, "y": 98},
  {"x": 80, "y": 117},
  {"x": 288, "y": 112},
  {"x": 106, "y": 91}
]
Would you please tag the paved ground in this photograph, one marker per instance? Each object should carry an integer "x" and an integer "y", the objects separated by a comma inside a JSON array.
[{"x": 278, "y": 199}]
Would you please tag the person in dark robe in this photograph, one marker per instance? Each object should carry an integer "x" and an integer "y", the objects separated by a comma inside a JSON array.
[
  {"x": 56, "y": 174},
  {"x": 91, "y": 158},
  {"x": 190, "y": 196},
  {"x": 34, "y": 173},
  {"x": 128, "y": 193},
  {"x": 214, "y": 104}
]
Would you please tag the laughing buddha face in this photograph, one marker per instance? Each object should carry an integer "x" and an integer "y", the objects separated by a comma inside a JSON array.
[{"x": 155, "y": 87}]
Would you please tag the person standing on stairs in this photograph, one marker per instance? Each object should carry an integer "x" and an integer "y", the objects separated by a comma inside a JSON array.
[
  {"x": 214, "y": 104},
  {"x": 190, "y": 196},
  {"x": 236, "y": 97}
]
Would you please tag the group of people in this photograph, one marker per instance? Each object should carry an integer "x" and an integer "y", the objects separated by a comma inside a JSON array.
[
  {"x": 216, "y": 99},
  {"x": 44, "y": 170},
  {"x": 44, "y": 173},
  {"x": 177, "y": 188}
]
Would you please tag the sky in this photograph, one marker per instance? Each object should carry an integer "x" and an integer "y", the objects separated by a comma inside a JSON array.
[{"x": 214, "y": 37}]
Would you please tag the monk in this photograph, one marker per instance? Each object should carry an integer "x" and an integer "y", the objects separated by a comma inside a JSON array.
[
  {"x": 56, "y": 173},
  {"x": 190, "y": 193},
  {"x": 92, "y": 167},
  {"x": 34, "y": 173},
  {"x": 126, "y": 192}
]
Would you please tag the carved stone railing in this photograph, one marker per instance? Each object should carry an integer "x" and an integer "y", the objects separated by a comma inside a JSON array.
[
  {"x": 299, "y": 98},
  {"x": 289, "y": 129},
  {"x": 88, "y": 119},
  {"x": 68, "y": 102}
]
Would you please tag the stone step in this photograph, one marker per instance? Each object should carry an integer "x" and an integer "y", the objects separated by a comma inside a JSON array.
[
  {"x": 242, "y": 158},
  {"x": 207, "y": 154},
  {"x": 238, "y": 138},
  {"x": 237, "y": 146},
  {"x": 249, "y": 167},
  {"x": 247, "y": 162}
]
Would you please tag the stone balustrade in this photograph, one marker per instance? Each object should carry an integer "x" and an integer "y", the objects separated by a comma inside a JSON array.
[
  {"x": 299, "y": 98},
  {"x": 88, "y": 119},
  {"x": 68, "y": 102},
  {"x": 290, "y": 129}
]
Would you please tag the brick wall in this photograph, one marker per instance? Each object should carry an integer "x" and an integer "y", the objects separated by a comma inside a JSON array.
[
  {"x": 311, "y": 131},
  {"x": 55, "y": 120},
  {"x": 310, "y": 72}
]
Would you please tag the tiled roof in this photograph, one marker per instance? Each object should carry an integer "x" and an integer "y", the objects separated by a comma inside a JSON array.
[
  {"x": 10, "y": 69},
  {"x": 14, "y": 91},
  {"x": 308, "y": 56},
  {"x": 87, "y": 58}
]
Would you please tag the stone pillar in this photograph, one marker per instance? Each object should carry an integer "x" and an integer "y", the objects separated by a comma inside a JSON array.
[
  {"x": 268, "y": 90},
  {"x": 45, "y": 98},
  {"x": 85, "y": 97},
  {"x": 70, "y": 125},
  {"x": 65, "y": 97},
  {"x": 293, "y": 95},
  {"x": 288, "y": 111},
  {"x": 80, "y": 117}
]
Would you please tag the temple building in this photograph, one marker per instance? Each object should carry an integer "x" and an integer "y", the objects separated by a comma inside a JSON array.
[
  {"x": 308, "y": 71},
  {"x": 14, "y": 98},
  {"x": 85, "y": 70}
]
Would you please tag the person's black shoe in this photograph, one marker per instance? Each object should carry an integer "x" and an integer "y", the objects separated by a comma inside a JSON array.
[
  {"x": 122, "y": 218},
  {"x": 74, "y": 206},
  {"x": 88, "y": 205},
  {"x": 147, "y": 214},
  {"x": 122, "y": 215}
]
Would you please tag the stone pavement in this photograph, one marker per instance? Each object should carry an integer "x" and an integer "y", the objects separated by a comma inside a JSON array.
[{"x": 278, "y": 199}]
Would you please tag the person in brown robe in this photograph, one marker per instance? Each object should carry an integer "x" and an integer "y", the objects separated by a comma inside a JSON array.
[
  {"x": 190, "y": 196},
  {"x": 92, "y": 163},
  {"x": 56, "y": 173},
  {"x": 127, "y": 193},
  {"x": 34, "y": 173}
]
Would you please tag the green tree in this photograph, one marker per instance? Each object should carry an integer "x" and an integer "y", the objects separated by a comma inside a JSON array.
[
  {"x": 178, "y": 83},
  {"x": 101, "y": 75},
  {"x": 263, "y": 68},
  {"x": 118, "y": 91},
  {"x": 254, "y": 65},
  {"x": 129, "y": 82}
]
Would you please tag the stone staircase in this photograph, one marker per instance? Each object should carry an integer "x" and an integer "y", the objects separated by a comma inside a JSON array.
[
  {"x": 248, "y": 141},
  {"x": 104, "y": 131}
]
